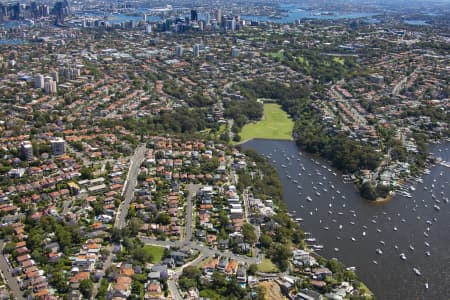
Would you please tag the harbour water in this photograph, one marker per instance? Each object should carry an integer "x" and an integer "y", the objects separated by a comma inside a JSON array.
[
  {"x": 372, "y": 237},
  {"x": 294, "y": 12}
]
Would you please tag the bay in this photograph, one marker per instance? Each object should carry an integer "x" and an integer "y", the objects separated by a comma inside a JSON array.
[{"x": 357, "y": 227}]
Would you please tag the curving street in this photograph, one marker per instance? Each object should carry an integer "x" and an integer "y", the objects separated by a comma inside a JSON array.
[{"x": 130, "y": 184}]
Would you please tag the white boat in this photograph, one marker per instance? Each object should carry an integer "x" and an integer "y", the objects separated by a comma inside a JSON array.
[
  {"x": 317, "y": 247},
  {"x": 311, "y": 240},
  {"x": 403, "y": 256},
  {"x": 375, "y": 262},
  {"x": 436, "y": 207},
  {"x": 378, "y": 251},
  {"x": 336, "y": 249},
  {"x": 317, "y": 193},
  {"x": 382, "y": 243},
  {"x": 426, "y": 285},
  {"x": 309, "y": 199},
  {"x": 299, "y": 219},
  {"x": 417, "y": 271},
  {"x": 395, "y": 228},
  {"x": 353, "y": 239},
  {"x": 364, "y": 233},
  {"x": 427, "y": 253},
  {"x": 411, "y": 247},
  {"x": 427, "y": 244}
]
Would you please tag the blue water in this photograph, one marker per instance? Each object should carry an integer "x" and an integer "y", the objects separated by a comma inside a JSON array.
[
  {"x": 12, "y": 42},
  {"x": 398, "y": 224},
  {"x": 295, "y": 13},
  {"x": 416, "y": 22},
  {"x": 120, "y": 18}
]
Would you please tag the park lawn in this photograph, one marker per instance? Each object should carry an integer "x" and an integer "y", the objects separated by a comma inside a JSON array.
[
  {"x": 302, "y": 60},
  {"x": 275, "y": 124},
  {"x": 278, "y": 54},
  {"x": 156, "y": 252},
  {"x": 339, "y": 60},
  {"x": 267, "y": 266}
]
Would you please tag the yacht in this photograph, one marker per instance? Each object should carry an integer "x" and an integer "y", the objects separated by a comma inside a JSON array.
[
  {"x": 353, "y": 239},
  {"x": 378, "y": 250},
  {"x": 309, "y": 199},
  {"x": 364, "y": 233},
  {"x": 427, "y": 253},
  {"x": 427, "y": 244},
  {"x": 417, "y": 271},
  {"x": 426, "y": 285},
  {"x": 336, "y": 249},
  {"x": 437, "y": 208},
  {"x": 375, "y": 262},
  {"x": 403, "y": 256},
  {"x": 411, "y": 247}
]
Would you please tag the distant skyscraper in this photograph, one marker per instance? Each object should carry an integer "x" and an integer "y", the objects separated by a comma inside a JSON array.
[
  {"x": 39, "y": 81},
  {"x": 194, "y": 15},
  {"x": 26, "y": 150},
  {"x": 219, "y": 16},
  {"x": 58, "y": 146},
  {"x": 49, "y": 85},
  {"x": 196, "y": 50},
  {"x": 179, "y": 51},
  {"x": 55, "y": 76},
  {"x": 148, "y": 28},
  {"x": 235, "y": 52}
]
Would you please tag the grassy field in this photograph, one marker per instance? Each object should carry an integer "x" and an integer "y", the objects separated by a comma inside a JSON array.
[
  {"x": 155, "y": 251},
  {"x": 278, "y": 54},
  {"x": 267, "y": 266},
  {"x": 339, "y": 60},
  {"x": 275, "y": 124}
]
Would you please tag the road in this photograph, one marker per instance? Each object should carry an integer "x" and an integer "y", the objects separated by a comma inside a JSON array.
[
  {"x": 173, "y": 288},
  {"x": 204, "y": 250},
  {"x": 130, "y": 184},
  {"x": 11, "y": 281},
  {"x": 106, "y": 265},
  {"x": 192, "y": 189},
  {"x": 401, "y": 84}
]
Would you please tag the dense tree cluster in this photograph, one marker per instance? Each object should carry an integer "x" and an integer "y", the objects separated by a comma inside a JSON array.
[{"x": 218, "y": 288}]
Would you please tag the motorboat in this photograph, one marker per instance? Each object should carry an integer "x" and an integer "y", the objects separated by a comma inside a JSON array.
[
  {"x": 417, "y": 271},
  {"x": 403, "y": 256}
]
